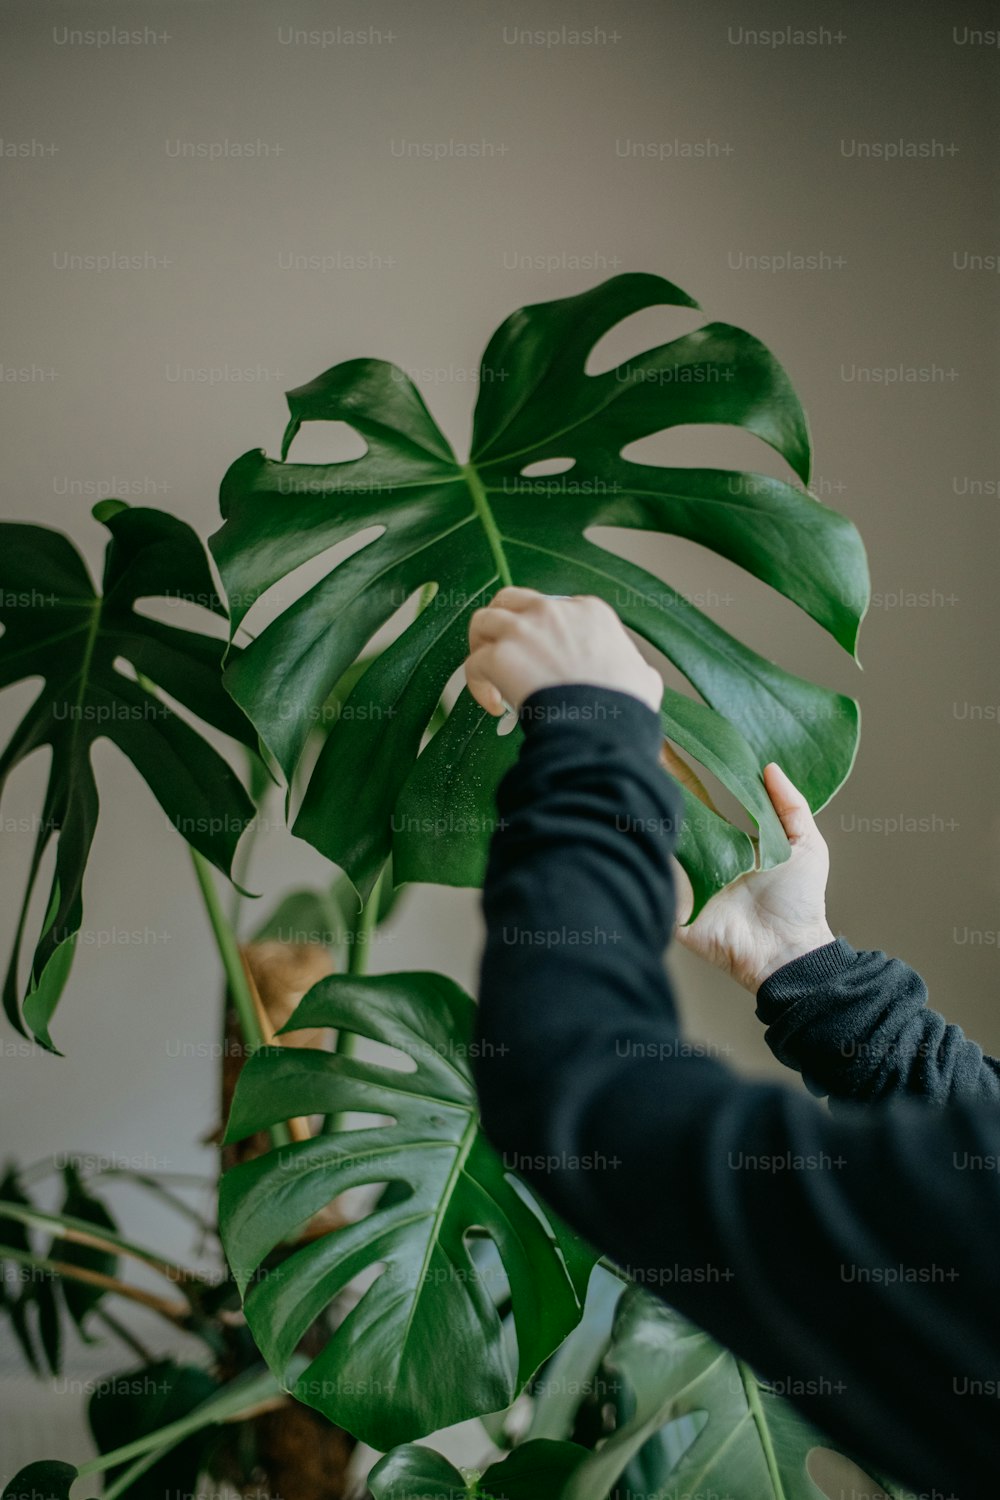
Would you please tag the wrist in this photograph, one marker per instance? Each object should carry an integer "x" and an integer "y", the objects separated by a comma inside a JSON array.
[
  {"x": 785, "y": 953},
  {"x": 644, "y": 692},
  {"x": 622, "y": 714}
]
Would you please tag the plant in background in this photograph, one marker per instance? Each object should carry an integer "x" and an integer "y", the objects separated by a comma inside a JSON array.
[
  {"x": 478, "y": 1302},
  {"x": 161, "y": 1422},
  {"x": 57, "y": 627}
]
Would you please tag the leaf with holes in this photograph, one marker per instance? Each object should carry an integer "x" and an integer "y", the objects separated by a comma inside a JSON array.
[
  {"x": 463, "y": 530},
  {"x": 424, "y": 1346},
  {"x": 701, "y": 1419},
  {"x": 33, "y": 1308},
  {"x": 79, "y": 1203},
  {"x": 58, "y": 628}
]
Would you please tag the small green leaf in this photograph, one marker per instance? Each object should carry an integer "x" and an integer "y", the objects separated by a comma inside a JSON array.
[
  {"x": 304, "y": 917},
  {"x": 533, "y": 1469},
  {"x": 46, "y": 1480},
  {"x": 536, "y": 1470},
  {"x": 328, "y": 917},
  {"x": 412, "y": 1472}
]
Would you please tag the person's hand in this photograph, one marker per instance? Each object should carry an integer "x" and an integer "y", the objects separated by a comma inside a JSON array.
[
  {"x": 767, "y": 917},
  {"x": 524, "y": 640}
]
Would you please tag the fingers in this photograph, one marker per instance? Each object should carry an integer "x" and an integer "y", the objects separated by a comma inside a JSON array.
[
  {"x": 491, "y": 621},
  {"x": 488, "y": 624},
  {"x": 480, "y": 685},
  {"x": 487, "y": 696},
  {"x": 789, "y": 803},
  {"x": 513, "y": 596},
  {"x": 489, "y": 627},
  {"x": 523, "y": 639}
]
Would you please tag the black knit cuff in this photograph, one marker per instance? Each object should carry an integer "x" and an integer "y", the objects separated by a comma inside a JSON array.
[
  {"x": 619, "y": 715},
  {"x": 801, "y": 975}
]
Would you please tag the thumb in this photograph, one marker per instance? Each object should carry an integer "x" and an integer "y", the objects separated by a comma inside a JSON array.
[{"x": 789, "y": 803}]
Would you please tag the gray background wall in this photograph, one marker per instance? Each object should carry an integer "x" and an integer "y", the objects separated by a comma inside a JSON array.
[{"x": 112, "y": 384}]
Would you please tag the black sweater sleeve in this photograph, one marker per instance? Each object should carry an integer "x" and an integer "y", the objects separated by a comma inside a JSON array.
[
  {"x": 856, "y": 1025},
  {"x": 852, "y": 1257}
]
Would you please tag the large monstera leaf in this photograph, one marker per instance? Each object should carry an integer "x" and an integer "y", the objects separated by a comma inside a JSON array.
[
  {"x": 464, "y": 530},
  {"x": 425, "y": 1345},
  {"x": 57, "y": 627}
]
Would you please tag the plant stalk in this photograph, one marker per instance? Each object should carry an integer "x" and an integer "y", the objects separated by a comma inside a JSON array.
[
  {"x": 752, "y": 1392},
  {"x": 236, "y": 976},
  {"x": 79, "y": 1232},
  {"x": 229, "y": 953},
  {"x": 134, "y": 1471},
  {"x": 234, "y": 1402},
  {"x": 482, "y": 504},
  {"x": 175, "y": 1312},
  {"x": 125, "y": 1334},
  {"x": 359, "y": 941}
]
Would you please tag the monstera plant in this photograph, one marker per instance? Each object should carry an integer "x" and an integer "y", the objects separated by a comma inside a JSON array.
[{"x": 444, "y": 1289}]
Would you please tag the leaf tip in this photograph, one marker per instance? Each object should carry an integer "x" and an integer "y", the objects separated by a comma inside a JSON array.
[{"x": 106, "y": 510}]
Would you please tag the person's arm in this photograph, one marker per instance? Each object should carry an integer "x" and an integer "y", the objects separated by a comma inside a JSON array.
[
  {"x": 856, "y": 1025},
  {"x": 851, "y": 1259}
]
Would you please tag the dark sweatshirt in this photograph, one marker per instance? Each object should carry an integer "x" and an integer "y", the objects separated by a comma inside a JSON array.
[{"x": 848, "y": 1252}]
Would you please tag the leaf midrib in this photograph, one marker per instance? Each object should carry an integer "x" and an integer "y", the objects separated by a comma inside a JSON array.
[
  {"x": 589, "y": 416},
  {"x": 46, "y": 641},
  {"x": 685, "y": 497},
  {"x": 752, "y": 1393},
  {"x": 366, "y": 584},
  {"x": 493, "y": 535},
  {"x": 458, "y": 1167}
]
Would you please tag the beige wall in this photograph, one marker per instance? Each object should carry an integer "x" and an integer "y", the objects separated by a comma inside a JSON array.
[{"x": 449, "y": 246}]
